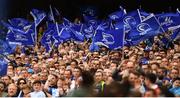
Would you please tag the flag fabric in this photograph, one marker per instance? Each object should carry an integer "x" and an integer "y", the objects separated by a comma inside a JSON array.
[
  {"x": 20, "y": 23},
  {"x": 112, "y": 39},
  {"x": 146, "y": 29},
  {"x": 117, "y": 16},
  {"x": 168, "y": 20},
  {"x": 3, "y": 66},
  {"x": 53, "y": 14},
  {"x": 20, "y": 37},
  {"x": 38, "y": 16},
  {"x": 6, "y": 48},
  {"x": 47, "y": 38}
]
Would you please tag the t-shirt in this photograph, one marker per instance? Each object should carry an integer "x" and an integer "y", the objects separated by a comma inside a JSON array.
[{"x": 39, "y": 94}]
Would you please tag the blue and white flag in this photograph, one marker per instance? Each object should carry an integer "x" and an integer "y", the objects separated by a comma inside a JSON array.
[
  {"x": 112, "y": 39},
  {"x": 20, "y": 23},
  {"x": 6, "y": 48},
  {"x": 53, "y": 14},
  {"x": 16, "y": 36},
  {"x": 38, "y": 16},
  {"x": 117, "y": 16},
  {"x": 148, "y": 28},
  {"x": 168, "y": 20},
  {"x": 131, "y": 20},
  {"x": 47, "y": 39},
  {"x": 3, "y": 66}
]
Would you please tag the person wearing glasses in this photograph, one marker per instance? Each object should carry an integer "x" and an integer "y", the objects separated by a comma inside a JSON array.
[{"x": 20, "y": 83}]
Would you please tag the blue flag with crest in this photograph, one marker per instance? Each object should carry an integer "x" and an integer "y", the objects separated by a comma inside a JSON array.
[
  {"x": 112, "y": 39},
  {"x": 20, "y": 23},
  {"x": 146, "y": 29},
  {"x": 168, "y": 20},
  {"x": 20, "y": 37},
  {"x": 6, "y": 48}
]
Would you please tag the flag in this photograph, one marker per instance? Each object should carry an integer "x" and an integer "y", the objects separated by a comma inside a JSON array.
[
  {"x": 20, "y": 37},
  {"x": 142, "y": 14},
  {"x": 3, "y": 66},
  {"x": 20, "y": 23},
  {"x": 130, "y": 20},
  {"x": 47, "y": 38},
  {"x": 168, "y": 20},
  {"x": 112, "y": 39},
  {"x": 38, "y": 16},
  {"x": 117, "y": 16},
  {"x": 146, "y": 29},
  {"x": 53, "y": 14},
  {"x": 6, "y": 48}
]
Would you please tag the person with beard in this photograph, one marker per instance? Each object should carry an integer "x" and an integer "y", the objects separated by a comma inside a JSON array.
[{"x": 13, "y": 90}]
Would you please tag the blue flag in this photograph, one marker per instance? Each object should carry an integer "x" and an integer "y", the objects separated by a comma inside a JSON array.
[
  {"x": 38, "y": 16},
  {"x": 130, "y": 20},
  {"x": 148, "y": 28},
  {"x": 53, "y": 14},
  {"x": 47, "y": 39},
  {"x": 112, "y": 39},
  {"x": 6, "y": 48},
  {"x": 3, "y": 66},
  {"x": 88, "y": 31},
  {"x": 20, "y": 23},
  {"x": 142, "y": 14},
  {"x": 168, "y": 20},
  {"x": 117, "y": 16},
  {"x": 20, "y": 37}
]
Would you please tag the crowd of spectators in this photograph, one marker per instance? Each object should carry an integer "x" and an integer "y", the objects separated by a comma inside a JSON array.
[{"x": 72, "y": 70}]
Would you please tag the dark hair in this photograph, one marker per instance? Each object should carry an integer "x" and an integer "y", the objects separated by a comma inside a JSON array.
[
  {"x": 75, "y": 61},
  {"x": 18, "y": 81},
  {"x": 37, "y": 82},
  {"x": 1, "y": 82},
  {"x": 152, "y": 77}
]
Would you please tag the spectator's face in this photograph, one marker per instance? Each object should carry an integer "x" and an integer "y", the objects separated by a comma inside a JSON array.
[
  {"x": 52, "y": 80},
  {"x": 73, "y": 64},
  {"x": 113, "y": 66},
  {"x": 6, "y": 80},
  {"x": 130, "y": 66},
  {"x": 164, "y": 62},
  {"x": 37, "y": 87},
  {"x": 156, "y": 39},
  {"x": 10, "y": 68},
  {"x": 176, "y": 83},
  {"x": 174, "y": 73},
  {"x": 151, "y": 55},
  {"x": 145, "y": 68},
  {"x": 98, "y": 77},
  {"x": 1, "y": 87},
  {"x": 132, "y": 78},
  {"x": 60, "y": 83},
  {"x": 12, "y": 90},
  {"x": 67, "y": 74},
  {"x": 21, "y": 83},
  {"x": 76, "y": 73}
]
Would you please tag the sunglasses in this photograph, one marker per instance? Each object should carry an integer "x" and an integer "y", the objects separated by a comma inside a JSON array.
[{"x": 22, "y": 83}]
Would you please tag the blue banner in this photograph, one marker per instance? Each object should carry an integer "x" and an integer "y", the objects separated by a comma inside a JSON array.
[
  {"x": 20, "y": 23},
  {"x": 168, "y": 20},
  {"x": 148, "y": 28},
  {"x": 38, "y": 16},
  {"x": 112, "y": 39},
  {"x": 20, "y": 37},
  {"x": 3, "y": 66}
]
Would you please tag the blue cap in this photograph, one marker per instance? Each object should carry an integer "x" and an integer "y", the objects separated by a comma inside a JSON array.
[{"x": 30, "y": 70}]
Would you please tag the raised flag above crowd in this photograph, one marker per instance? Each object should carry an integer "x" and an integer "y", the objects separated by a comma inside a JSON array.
[{"x": 135, "y": 26}]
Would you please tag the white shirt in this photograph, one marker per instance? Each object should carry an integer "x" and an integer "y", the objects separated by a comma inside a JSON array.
[{"x": 39, "y": 94}]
